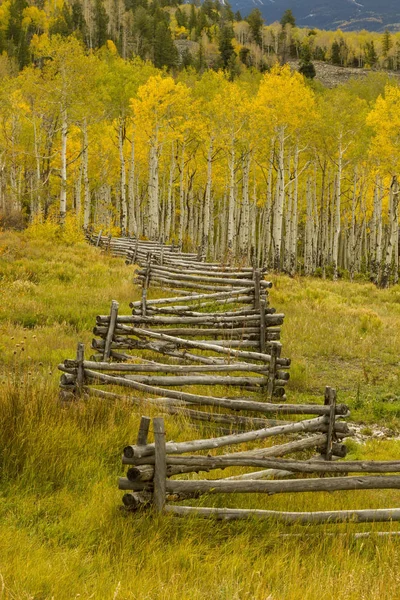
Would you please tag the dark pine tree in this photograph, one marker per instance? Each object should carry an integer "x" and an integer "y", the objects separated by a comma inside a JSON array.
[
  {"x": 335, "y": 54},
  {"x": 16, "y": 37},
  {"x": 371, "y": 57},
  {"x": 225, "y": 45},
  {"x": 165, "y": 52},
  {"x": 288, "y": 18},
  {"x": 306, "y": 66},
  {"x": 256, "y": 22},
  {"x": 100, "y": 24}
]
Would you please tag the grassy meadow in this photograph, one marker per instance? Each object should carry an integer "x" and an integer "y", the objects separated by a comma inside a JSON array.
[{"x": 63, "y": 534}]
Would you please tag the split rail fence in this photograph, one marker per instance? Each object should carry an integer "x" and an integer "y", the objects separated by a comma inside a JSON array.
[{"x": 222, "y": 334}]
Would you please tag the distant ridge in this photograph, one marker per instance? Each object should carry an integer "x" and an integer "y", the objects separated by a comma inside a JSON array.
[{"x": 347, "y": 15}]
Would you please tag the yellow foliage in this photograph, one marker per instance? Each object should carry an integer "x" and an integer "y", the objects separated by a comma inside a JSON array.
[
  {"x": 112, "y": 48},
  {"x": 4, "y": 15},
  {"x": 49, "y": 230},
  {"x": 40, "y": 45},
  {"x": 32, "y": 15}
]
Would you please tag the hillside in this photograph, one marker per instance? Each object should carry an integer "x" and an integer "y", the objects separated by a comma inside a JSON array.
[
  {"x": 62, "y": 535},
  {"x": 343, "y": 14}
]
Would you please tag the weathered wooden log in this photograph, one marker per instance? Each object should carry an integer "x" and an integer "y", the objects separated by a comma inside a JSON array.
[
  {"x": 295, "y": 466},
  {"x": 282, "y": 362},
  {"x": 282, "y": 487},
  {"x": 260, "y": 434},
  {"x": 164, "y": 368},
  {"x": 160, "y": 465},
  {"x": 262, "y": 407},
  {"x": 241, "y": 333},
  {"x": 143, "y": 431},
  {"x": 137, "y": 500},
  {"x": 206, "y": 380},
  {"x": 382, "y": 515},
  {"x": 80, "y": 375},
  {"x": 273, "y": 451},
  {"x": 182, "y": 279},
  {"x": 207, "y": 320},
  {"x": 192, "y": 298},
  {"x": 111, "y": 327},
  {"x": 174, "y": 283}
]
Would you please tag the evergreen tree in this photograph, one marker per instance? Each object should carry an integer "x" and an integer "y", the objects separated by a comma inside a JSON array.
[
  {"x": 192, "y": 18},
  {"x": 288, "y": 18},
  {"x": 386, "y": 43},
  {"x": 181, "y": 18},
  {"x": 238, "y": 16},
  {"x": 64, "y": 24},
  {"x": 256, "y": 22},
  {"x": 78, "y": 19},
  {"x": 371, "y": 57},
  {"x": 306, "y": 66},
  {"x": 225, "y": 45},
  {"x": 16, "y": 36},
  {"x": 335, "y": 54},
  {"x": 165, "y": 52},
  {"x": 100, "y": 24}
]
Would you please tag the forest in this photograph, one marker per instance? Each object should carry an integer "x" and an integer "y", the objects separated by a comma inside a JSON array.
[{"x": 303, "y": 177}]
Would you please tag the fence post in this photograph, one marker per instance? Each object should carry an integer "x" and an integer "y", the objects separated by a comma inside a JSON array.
[
  {"x": 145, "y": 284},
  {"x": 162, "y": 251},
  {"x": 262, "y": 325},
  {"x": 330, "y": 400},
  {"x": 143, "y": 431},
  {"x": 257, "y": 288},
  {"x": 99, "y": 238},
  {"x": 111, "y": 329},
  {"x": 160, "y": 466},
  {"x": 275, "y": 352},
  {"x": 80, "y": 378}
]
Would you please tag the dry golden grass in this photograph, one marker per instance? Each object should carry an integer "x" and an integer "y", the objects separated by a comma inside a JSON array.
[{"x": 62, "y": 533}]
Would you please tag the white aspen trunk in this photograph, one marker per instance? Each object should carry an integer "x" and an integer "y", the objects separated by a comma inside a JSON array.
[
  {"x": 231, "y": 201},
  {"x": 352, "y": 240},
  {"x": 211, "y": 239},
  {"x": 373, "y": 234},
  {"x": 392, "y": 232},
  {"x": 153, "y": 221},
  {"x": 63, "y": 187},
  {"x": 182, "y": 210},
  {"x": 336, "y": 234},
  {"x": 288, "y": 219},
  {"x": 207, "y": 203},
  {"x": 245, "y": 223},
  {"x": 253, "y": 219},
  {"x": 279, "y": 202},
  {"x": 223, "y": 222},
  {"x": 295, "y": 216},
  {"x": 267, "y": 237},
  {"x": 37, "y": 204},
  {"x": 308, "y": 232},
  {"x": 316, "y": 225},
  {"x": 86, "y": 186},
  {"x": 132, "y": 221},
  {"x": 168, "y": 217},
  {"x": 124, "y": 207},
  {"x": 78, "y": 190}
]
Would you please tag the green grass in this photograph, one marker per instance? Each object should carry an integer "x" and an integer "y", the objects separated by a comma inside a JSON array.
[{"x": 62, "y": 532}]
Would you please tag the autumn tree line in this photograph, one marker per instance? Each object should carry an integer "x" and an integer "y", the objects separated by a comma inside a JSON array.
[
  {"x": 175, "y": 35},
  {"x": 264, "y": 167}
]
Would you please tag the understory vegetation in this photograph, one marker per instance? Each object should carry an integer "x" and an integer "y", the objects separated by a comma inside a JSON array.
[{"x": 62, "y": 532}]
